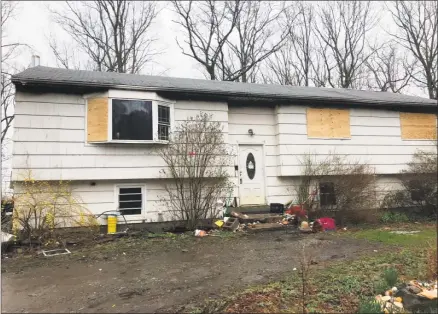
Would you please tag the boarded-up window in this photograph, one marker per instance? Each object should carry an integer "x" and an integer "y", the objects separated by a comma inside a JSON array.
[
  {"x": 418, "y": 126},
  {"x": 97, "y": 119},
  {"x": 328, "y": 123}
]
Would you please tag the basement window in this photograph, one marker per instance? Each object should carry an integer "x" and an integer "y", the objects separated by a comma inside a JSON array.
[
  {"x": 130, "y": 200},
  {"x": 417, "y": 193},
  {"x": 327, "y": 194}
]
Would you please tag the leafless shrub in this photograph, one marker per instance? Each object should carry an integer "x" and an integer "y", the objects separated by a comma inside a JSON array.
[
  {"x": 419, "y": 185},
  {"x": 41, "y": 206},
  {"x": 196, "y": 158},
  {"x": 353, "y": 182}
]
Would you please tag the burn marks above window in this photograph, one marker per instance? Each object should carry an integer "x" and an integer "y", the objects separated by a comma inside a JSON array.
[
  {"x": 132, "y": 120},
  {"x": 250, "y": 166}
]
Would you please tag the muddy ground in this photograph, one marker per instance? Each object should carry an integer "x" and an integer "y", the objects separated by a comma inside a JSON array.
[{"x": 160, "y": 275}]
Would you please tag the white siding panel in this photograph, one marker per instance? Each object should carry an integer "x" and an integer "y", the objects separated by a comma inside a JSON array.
[
  {"x": 357, "y": 140},
  {"x": 50, "y": 109},
  {"x": 292, "y": 118},
  {"x": 49, "y": 122},
  {"x": 201, "y": 105},
  {"x": 242, "y": 129},
  {"x": 48, "y": 135},
  {"x": 292, "y": 109},
  {"x": 375, "y": 131},
  {"x": 373, "y": 122},
  {"x": 184, "y": 115},
  {"x": 237, "y": 118},
  {"x": 49, "y": 98}
]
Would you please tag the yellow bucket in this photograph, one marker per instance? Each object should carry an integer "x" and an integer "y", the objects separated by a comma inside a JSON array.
[{"x": 112, "y": 224}]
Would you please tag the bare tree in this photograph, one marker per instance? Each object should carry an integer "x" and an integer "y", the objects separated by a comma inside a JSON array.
[
  {"x": 9, "y": 51},
  {"x": 342, "y": 31},
  {"x": 207, "y": 29},
  {"x": 292, "y": 64},
  {"x": 196, "y": 159},
  {"x": 417, "y": 22},
  {"x": 231, "y": 39},
  {"x": 257, "y": 36},
  {"x": 114, "y": 35},
  {"x": 389, "y": 71}
]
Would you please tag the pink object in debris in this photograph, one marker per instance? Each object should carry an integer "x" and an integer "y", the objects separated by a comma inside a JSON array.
[{"x": 326, "y": 223}]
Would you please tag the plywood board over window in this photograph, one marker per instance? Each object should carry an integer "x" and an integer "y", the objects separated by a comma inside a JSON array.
[
  {"x": 328, "y": 123},
  {"x": 418, "y": 126},
  {"x": 97, "y": 119}
]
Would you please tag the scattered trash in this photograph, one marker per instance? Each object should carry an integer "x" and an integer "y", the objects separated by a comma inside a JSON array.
[
  {"x": 124, "y": 253},
  {"x": 200, "y": 233},
  {"x": 412, "y": 296},
  {"x": 232, "y": 224},
  {"x": 324, "y": 224},
  {"x": 53, "y": 252},
  {"x": 294, "y": 268},
  {"x": 100, "y": 269},
  {"x": 219, "y": 223},
  {"x": 404, "y": 232},
  {"x": 345, "y": 228},
  {"x": 374, "y": 250},
  {"x": 184, "y": 250},
  {"x": 235, "y": 214},
  {"x": 6, "y": 237}
]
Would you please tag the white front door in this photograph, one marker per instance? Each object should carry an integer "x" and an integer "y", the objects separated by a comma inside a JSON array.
[{"x": 251, "y": 175}]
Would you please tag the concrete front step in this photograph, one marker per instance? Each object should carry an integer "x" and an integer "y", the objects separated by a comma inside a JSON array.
[{"x": 257, "y": 209}]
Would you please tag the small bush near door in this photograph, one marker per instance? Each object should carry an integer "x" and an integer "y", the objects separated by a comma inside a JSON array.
[
  {"x": 342, "y": 185},
  {"x": 196, "y": 159}
]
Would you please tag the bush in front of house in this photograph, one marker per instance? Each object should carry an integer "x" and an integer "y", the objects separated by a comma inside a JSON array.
[
  {"x": 42, "y": 206},
  {"x": 419, "y": 187},
  {"x": 196, "y": 159},
  {"x": 353, "y": 181}
]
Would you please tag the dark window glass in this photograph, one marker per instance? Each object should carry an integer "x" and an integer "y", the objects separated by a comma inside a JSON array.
[
  {"x": 327, "y": 194},
  {"x": 163, "y": 122},
  {"x": 417, "y": 192},
  {"x": 130, "y": 201},
  {"x": 132, "y": 119}
]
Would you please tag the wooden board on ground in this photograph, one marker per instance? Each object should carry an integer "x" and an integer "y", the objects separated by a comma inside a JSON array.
[
  {"x": 263, "y": 218},
  {"x": 265, "y": 227}
]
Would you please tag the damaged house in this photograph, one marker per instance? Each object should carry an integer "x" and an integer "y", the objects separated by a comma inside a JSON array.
[{"x": 72, "y": 125}]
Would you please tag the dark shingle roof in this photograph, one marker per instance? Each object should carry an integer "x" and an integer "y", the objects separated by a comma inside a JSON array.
[{"x": 55, "y": 76}]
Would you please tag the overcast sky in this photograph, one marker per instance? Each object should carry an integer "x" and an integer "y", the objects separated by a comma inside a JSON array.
[{"x": 32, "y": 25}]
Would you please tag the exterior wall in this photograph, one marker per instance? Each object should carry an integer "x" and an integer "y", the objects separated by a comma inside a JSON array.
[
  {"x": 104, "y": 197},
  {"x": 50, "y": 138},
  {"x": 375, "y": 139}
]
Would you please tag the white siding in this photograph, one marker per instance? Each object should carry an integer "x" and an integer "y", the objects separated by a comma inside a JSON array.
[
  {"x": 50, "y": 134},
  {"x": 102, "y": 197},
  {"x": 49, "y": 137},
  {"x": 375, "y": 138}
]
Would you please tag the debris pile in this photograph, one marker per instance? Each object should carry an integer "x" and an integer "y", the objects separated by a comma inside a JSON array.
[{"x": 412, "y": 296}]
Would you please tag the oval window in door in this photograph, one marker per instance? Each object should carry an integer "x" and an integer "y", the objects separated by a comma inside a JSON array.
[{"x": 250, "y": 166}]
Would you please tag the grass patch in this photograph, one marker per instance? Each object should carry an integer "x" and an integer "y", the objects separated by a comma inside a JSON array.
[
  {"x": 427, "y": 234},
  {"x": 343, "y": 286}
]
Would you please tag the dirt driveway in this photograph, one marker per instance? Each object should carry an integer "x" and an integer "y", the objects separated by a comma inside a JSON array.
[{"x": 160, "y": 275}]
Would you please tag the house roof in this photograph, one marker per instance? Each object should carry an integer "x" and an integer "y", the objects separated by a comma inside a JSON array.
[{"x": 41, "y": 75}]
